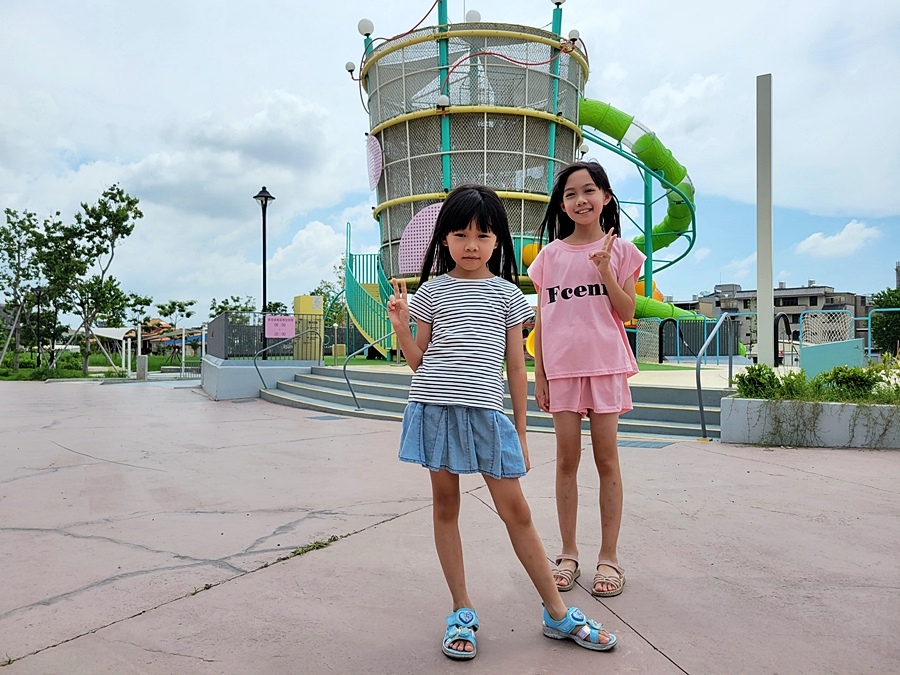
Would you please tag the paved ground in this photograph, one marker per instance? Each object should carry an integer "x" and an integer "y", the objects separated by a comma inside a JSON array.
[{"x": 141, "y": 528}]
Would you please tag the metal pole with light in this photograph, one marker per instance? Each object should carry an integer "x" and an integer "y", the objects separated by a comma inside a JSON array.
[
  {"x": 37, "y": 291},
  {"x": 263, "y": 197}
]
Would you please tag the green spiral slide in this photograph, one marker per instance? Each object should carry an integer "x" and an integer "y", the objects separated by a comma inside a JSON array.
[{"x": 645, "y": 145}]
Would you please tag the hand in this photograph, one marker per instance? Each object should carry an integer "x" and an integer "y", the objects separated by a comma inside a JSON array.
[
  {"x": 525, "y": 452},
  {"x": 398, "y": 307},
  {"x": 602, "y": 257},
  {"x": 542, "y": 393}
]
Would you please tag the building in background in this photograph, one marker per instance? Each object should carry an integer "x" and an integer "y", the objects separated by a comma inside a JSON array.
[{"x": 791, "y": 300}]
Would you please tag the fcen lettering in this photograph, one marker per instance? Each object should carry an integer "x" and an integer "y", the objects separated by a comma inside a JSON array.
[{"x": 578, "y": 292}]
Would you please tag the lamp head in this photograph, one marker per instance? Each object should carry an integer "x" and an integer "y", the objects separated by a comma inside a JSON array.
[
  {"x": 365, "y": 27},
  {"x": 263, "y": 197}
]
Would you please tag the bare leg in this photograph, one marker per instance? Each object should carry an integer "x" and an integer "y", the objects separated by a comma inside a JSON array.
[
  {"x": 516, "y": 515},
  {"x": 446, "y": 501},
  {"x": 606, "y": 457},
  {"x": 568, "y": 456}
]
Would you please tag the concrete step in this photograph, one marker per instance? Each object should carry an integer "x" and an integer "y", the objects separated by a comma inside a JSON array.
[
  {"x": 327, "y": 387},
  {"x": 640, "y": 393},
  {"x": 384, "y": 395},
  {"x": 535, "y": 421}
]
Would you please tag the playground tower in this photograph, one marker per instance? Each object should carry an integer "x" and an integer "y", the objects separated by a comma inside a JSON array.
[{"x": 472, "y": 102}]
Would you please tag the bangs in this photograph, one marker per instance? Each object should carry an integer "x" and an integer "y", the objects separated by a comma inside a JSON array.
[{"x": 480, "y": 216}]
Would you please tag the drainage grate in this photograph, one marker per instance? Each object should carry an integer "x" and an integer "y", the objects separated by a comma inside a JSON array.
[
  {"x": 327, "y": 418},
  {"x": 644, "y": 444}
]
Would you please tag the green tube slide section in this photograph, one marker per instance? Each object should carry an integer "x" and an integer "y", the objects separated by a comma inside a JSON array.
[
  {"x": 653, "y": 153},
  {"x": 648, "y": 308},
  {"x": 604, "y": 118},
  {"x": 650, "y": 150}
]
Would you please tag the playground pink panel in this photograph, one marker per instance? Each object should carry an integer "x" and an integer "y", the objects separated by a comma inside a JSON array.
[
  {"x": 415, "y": 239},
  {"x": 375, "y": 160}
]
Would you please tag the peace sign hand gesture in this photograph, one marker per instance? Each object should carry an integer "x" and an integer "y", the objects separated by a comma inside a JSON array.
[
  {"x": 398, "y": 307},
  {"x": 602, "y": 257}
]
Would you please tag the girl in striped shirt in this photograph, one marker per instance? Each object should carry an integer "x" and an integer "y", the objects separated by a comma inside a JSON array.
[{"x": 468, "y": 322}]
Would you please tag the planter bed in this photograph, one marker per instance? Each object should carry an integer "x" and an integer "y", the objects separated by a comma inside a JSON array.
[{"x": 809, "y": 424}]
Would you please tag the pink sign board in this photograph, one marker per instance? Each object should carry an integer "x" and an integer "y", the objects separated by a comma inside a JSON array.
[{"x": 280, "y": 326}]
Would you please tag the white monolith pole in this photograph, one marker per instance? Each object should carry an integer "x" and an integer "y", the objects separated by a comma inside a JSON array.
[{"x": 765, "y": 293}]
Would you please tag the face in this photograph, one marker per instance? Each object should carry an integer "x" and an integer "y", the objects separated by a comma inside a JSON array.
[
  {"x": 583, "y": 201},
  {"x": 471, "y": 249}
]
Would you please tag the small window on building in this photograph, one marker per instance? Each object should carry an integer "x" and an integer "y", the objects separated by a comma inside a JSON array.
[
  {"x": 813, "y": 301},
  {"x": 790, "y": 302},
  {"x": 746, "y": 304}
]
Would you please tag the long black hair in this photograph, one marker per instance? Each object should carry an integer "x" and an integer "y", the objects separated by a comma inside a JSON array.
[
  {"x": 465, "y": 204},
  {"x": 557, "y": 224}
]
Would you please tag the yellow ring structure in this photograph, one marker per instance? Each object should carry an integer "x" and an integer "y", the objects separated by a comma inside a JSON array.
[
  {"x": 469, "y": 109},
  {"x": 433, "y": 37},
  {"x": 438, "y": 196}
]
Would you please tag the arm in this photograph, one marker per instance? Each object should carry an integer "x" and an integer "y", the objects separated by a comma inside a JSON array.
[
  {"x": 398, "y": 312},
  {"x": 518, "y": 384},
  {"x": 541, "y": 388},
  {"x": 621, "y": 297}
]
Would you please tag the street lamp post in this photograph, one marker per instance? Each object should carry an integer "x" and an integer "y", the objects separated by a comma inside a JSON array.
[
  {"x": 37, "y": 291},
  {"x": 263, "y": 197}
]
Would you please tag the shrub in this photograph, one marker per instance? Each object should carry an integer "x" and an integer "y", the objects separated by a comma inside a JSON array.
[
  {"x": 848, "y": 382},
  {"x": 876, "y": 383},
  {"x": 758, "y": 381}
]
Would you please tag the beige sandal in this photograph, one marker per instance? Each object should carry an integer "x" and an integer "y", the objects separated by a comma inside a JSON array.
[
  {"x": 569, "y": 576},
  {"x": 617, "y": 581}
]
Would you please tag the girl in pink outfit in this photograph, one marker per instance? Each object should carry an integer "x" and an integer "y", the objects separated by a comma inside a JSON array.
[{"x": 585, "y": 280}]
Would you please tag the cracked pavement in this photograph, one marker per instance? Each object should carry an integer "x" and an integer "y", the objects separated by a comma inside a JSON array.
[{"x": 148, "y": 529}]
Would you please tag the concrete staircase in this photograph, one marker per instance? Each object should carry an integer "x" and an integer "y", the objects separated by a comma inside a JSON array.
[{"x": 659, "y": 411}]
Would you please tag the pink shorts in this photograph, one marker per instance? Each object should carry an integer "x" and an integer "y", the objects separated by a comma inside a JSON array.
[{"x": 600, "y": 393}]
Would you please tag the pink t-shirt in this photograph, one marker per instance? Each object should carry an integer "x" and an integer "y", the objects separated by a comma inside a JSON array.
[{"x": 581, "y": 334}]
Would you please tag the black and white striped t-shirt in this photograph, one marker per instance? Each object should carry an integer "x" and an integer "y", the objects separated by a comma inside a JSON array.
[{"x": 463, "y": 364}]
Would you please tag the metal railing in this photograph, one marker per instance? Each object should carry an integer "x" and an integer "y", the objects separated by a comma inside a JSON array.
[
  {"x": 725, "y": 318},
  {"x": 869, "y": 324},
  {"x": 786, "y": 322},
  {"x": 238, "y": 335},
  {"x": 281, "y": 342},
  {"x": 350, "y": 356}
]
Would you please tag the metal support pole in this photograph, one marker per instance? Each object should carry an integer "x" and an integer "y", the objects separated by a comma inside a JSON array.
[
  {"x": 648, "y": 234},
  {"x": 554, "y": 89},
  {"x": 765, "y": 292},
  {"x": 444, "y": 62}
]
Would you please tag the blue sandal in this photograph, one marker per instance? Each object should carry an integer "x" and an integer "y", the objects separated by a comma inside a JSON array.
[
  {"x": 587, "y": 635},
  {"x": 461, "y": 625}
]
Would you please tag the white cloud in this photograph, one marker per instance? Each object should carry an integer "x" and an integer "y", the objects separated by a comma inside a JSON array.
[
  {"x": 848, "y": 241},
  {"x": 740, "y": 269},
  {"x": 701, "y": 254}
]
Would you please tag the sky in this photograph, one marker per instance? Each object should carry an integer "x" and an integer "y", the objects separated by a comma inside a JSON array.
[{"x": 193, "y": 106}]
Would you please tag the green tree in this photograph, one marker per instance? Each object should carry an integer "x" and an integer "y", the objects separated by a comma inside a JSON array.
[
  {"x": 176, "y": 310},
  {"x": 232, "y": 304},
  {"x": 93, "y": 238},
  {"x": 136, "y": 311},
  {"x": 276, "y": 308},
  {"x": 886, "y": 325},
  {"x": 330, "y": 290},
  {"x": 19, "y": 272}
]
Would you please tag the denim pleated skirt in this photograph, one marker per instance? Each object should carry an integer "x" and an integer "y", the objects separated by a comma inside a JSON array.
[{"x": 461, "y": 440}]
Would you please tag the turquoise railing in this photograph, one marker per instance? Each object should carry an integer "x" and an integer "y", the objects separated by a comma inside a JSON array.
[{"x": 369, "y": 313}]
